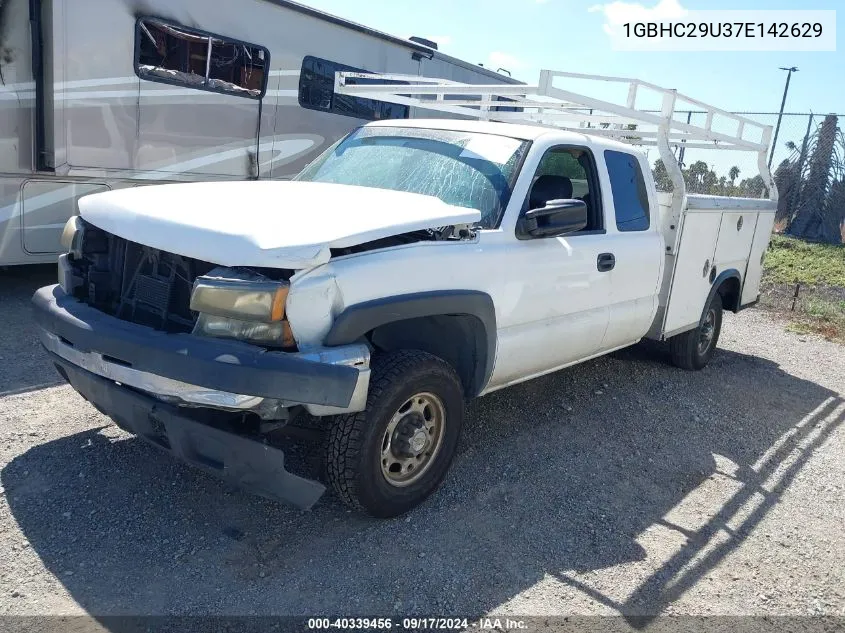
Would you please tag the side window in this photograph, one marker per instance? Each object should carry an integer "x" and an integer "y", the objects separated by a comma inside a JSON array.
[
  {"x": 316, "y": 92},
  {"x": 506, "y": 108},
  {"x": 173, "y": 54},
  {"x": 630, "y": 197},
  {"x": 568, "y": 172}
]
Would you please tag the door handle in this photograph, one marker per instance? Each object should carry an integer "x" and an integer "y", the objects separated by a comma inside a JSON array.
[{"x": 605, "y": 262}]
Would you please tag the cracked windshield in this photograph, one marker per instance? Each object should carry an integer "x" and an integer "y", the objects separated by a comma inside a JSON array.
[{"x": 461, "y": 168}]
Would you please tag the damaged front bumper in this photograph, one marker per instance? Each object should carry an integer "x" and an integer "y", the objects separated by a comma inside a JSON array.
[
  {"x": 148, "y": 381},
  {"x": 245, "y": 462},
  {"x": 200, "y": 371}
]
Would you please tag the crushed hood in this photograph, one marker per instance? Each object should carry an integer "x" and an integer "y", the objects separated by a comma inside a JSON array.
[{"x": 274, "y": 224}]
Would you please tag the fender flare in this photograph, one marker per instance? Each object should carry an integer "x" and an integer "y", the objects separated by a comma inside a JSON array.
[
  {"x": 730, "y": 273},
  {"x": 358, "y": 319}
]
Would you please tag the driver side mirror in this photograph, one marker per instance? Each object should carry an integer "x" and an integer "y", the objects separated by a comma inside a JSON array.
[{"x": 558, "y": 217}]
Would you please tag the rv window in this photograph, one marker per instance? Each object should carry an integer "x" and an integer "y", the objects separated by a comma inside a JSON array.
[
  {"x": 506, "y": 108},
  {"x": 174, "y": 54},
  {"x": 478, "y": 98},
  {"x": 316, "y": 92}
]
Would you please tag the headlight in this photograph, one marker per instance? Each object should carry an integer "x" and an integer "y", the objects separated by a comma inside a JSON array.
[
  {"x": 67, "y": 280},
  {"x": 72, "y": 236},
  {"x": 242, "y": 305},
  {"x": 240, "y": 299},
  {"x": 277, "y": 334}
]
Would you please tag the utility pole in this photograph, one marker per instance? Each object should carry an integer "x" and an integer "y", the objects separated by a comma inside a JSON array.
[{"x": 791, "y": 70}]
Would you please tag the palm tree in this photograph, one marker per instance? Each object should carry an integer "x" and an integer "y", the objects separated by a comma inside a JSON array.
[
  {"x": 788, "y": 181},
  {"x": 661, "y": 176},
  {"x": 818, "y": 216},
  {"x": 694, "y": 176},
  {"x": 733, "y": 174}
]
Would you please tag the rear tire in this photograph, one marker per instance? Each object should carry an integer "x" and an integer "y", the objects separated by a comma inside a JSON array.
[
  {"x": 692, "y": 350},
  {"x": 388, "y": 458}
]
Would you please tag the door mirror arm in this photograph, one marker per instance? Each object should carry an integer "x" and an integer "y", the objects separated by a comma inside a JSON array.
[{"x": 558, "y": 217}]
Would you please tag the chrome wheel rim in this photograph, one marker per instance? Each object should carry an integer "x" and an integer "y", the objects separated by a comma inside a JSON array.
[
  {"x": 706, "y": 332},
  {"x": 412, "y": 439}
]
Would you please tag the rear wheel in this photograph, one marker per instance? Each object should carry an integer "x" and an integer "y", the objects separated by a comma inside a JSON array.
[
  {"x": 389, "y": 458},
  {"x": 693, "y": 349}
]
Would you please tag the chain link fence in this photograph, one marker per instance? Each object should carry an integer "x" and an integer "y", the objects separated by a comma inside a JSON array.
[{"x": 807, "y": 161}]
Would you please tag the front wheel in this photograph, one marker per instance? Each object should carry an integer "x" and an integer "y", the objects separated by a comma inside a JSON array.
[
  {"x": 694, "y": 349},
  {"x": 388, "y": 458}
]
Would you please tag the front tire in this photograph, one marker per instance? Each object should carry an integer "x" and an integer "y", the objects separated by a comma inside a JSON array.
[
  {"x": 692, "y": 350},
  {"x": 388, "y": 458}
]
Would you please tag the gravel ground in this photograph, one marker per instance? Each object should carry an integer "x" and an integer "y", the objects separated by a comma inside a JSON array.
[{"x": 622, "y": 485}]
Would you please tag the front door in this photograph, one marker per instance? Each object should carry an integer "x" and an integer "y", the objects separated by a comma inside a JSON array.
[{"x": 554, "y": 309}]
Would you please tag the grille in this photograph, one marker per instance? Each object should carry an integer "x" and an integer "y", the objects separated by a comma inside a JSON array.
[
  {"x": 138, "y": 283},
  {"x": 153, "y": 292}
]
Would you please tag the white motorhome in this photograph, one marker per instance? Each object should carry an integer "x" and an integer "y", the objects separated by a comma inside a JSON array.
[{"x": 105, "y": 94}]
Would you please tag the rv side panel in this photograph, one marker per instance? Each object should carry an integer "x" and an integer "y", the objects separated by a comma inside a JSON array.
[{"x": 176, "y": 100}]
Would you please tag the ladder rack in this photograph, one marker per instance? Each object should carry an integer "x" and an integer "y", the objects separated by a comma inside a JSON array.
[{"x": 548, "y": 105}]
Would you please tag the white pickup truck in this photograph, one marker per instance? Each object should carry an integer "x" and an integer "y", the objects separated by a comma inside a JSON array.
[{"x": 413, "y": 265}]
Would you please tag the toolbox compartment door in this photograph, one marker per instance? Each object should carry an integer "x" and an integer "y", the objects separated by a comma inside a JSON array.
[
  {"x": 717, "y": 234},
  {"x": 691, "y": 283},
  {"x": 754, "y": 272}
]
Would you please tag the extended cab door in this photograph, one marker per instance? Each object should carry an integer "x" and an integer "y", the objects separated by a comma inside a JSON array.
[
  {"x": 633, "y": 247},
  {"x": 554, "y": 307}
]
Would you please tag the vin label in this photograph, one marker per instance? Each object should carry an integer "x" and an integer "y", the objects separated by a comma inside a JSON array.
[{"x": 724, "y": 30}]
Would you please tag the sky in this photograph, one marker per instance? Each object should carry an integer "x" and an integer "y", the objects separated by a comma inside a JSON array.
[{"x": 524, "y": 36}]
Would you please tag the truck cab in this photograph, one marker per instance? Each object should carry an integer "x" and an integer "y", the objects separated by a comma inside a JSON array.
[{"x": 566, "y": 285}]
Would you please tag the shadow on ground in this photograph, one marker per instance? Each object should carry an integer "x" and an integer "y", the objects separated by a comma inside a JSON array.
[
  {"x": 552, "y": 479},
  {"x": 22, "y": 361}
]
